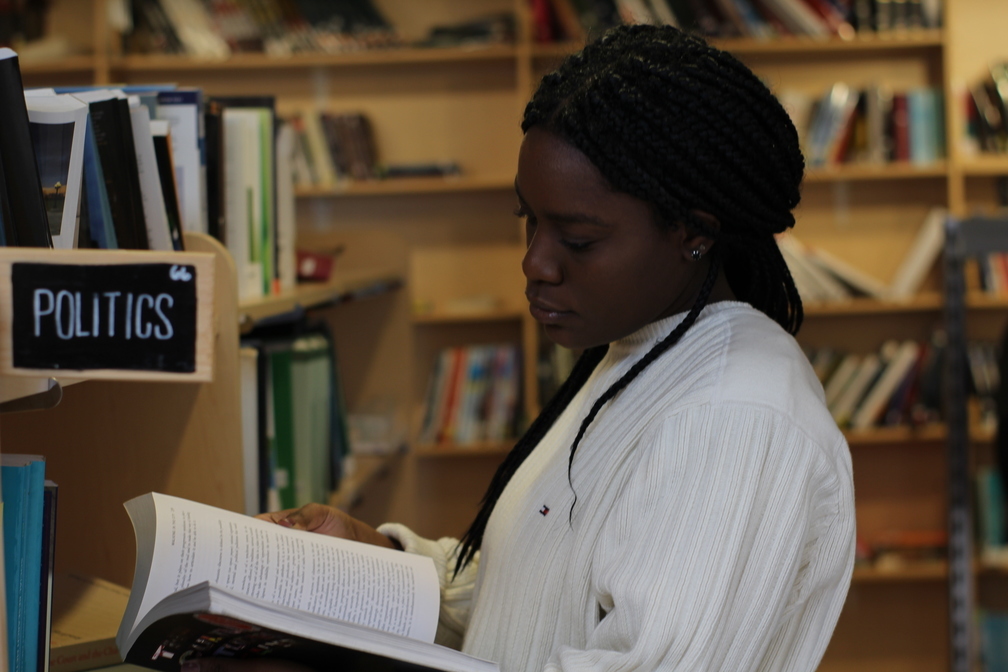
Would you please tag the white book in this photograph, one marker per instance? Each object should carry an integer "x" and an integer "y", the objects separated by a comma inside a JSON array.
[
  {"x": 286, "y": 225},
  {"x": 663, "y": 12},
  {"x": 823, "y": 286},
  {"x": 921, "y": 256},
  {"x": 859, "y": 280},
  {"x": 798, "y": 17},
  {"x": 841, "y": 377},
  {"x": 878, "y": 397},
  {"x": 241, "y": 190},
  {"x": 855, "y": 390},
  {"x": 151, "y": 196},
  {"x": 59, "y": 124},
  {"x": 182, "y": 109},
  {"x": 321, "y": 157},
  {"x": 256, "y": 588}
]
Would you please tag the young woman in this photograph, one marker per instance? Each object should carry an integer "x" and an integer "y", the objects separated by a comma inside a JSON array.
[{"x": 685, "y": 502}]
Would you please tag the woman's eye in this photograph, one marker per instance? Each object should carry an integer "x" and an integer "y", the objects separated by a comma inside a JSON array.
[{"x": 577, "y": 245}]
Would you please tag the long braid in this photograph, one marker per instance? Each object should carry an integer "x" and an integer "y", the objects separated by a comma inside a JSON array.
[{"x": 689, "y": 129}]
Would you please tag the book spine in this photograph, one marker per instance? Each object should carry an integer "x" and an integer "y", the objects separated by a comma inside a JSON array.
[{"x": 21, "y": 175}]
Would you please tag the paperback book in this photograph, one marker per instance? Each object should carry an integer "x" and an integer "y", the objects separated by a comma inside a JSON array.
[{"x": 211, "y": 582}]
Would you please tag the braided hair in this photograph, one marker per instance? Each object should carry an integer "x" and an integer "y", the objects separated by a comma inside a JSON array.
[{"x": 687, "y": 128}]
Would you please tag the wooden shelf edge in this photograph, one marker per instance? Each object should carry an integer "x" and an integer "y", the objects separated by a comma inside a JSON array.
[
  {"x": 345, "y": 287},
  {"x": 931, "y": 433},
  {"x": 75, "y": 64},
  {"x": 483, "y": 449},
  {"x": 853, "y": 172},
  {"x": 985, "y": 165},
  {"x": 363, "y": 57},
  {"x": 911, "y": 572},
  {"x": 408, "y": 185},
  {"x": 925, "y": 302},
  {"x": 894, "y": 40},
  {"x": 503, "y": 315}
]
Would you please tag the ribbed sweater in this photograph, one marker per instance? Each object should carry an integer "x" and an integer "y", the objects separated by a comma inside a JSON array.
[{"x": 707, "y": 523}]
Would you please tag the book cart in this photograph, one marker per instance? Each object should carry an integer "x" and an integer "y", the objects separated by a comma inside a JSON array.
[{"x": 464, "y": 104}]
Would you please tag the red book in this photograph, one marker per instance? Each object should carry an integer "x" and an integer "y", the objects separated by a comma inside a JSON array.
[{"x": 900, "y": 128}]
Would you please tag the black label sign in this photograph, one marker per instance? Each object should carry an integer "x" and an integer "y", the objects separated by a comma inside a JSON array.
[{"x": 139, "y": 317}]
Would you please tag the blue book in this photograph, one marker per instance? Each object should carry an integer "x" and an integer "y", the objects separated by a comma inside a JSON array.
[
  {"x": 99, "y": 212},
  {"x": 22, "y": 479}
]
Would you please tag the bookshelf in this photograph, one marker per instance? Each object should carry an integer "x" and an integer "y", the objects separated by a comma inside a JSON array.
[{"x": 464, "y": 104}]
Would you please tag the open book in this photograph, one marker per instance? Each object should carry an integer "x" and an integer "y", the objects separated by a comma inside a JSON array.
[{"x": 209, "y": 582}]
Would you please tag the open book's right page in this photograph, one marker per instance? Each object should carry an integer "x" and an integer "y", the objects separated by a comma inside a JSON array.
[{"x": 181, "y": 543}]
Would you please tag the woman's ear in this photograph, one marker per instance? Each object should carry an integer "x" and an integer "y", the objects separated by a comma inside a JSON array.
[{"x": 698, "y": 243}]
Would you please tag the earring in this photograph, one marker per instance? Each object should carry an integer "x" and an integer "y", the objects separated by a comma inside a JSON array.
[{"x": 697, "y": 252}]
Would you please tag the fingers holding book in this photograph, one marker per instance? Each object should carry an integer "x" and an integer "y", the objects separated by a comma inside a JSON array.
[{"x": 328, "y": 520}]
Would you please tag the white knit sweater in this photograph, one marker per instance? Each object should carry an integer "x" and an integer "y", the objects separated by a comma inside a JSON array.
[{"x": 710, "y": 524}]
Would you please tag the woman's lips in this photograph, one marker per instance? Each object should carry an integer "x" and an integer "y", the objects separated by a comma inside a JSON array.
[{"x": 544, "y": 312}]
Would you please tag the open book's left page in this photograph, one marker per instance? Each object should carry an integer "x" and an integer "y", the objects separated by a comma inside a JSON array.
[{"x": 181, "y": 543}]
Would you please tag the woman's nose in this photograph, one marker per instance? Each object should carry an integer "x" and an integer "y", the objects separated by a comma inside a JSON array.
[{"x": 540, "y": 263}]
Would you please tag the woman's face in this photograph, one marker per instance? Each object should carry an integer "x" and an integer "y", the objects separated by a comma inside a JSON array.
[{"x": 598, "y": 266}]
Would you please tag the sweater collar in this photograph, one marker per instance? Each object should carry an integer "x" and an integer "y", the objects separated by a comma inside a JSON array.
[{"x": 645, "y": 337}]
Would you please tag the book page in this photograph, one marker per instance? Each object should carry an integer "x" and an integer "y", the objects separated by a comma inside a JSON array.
[{"x": 367, "y": 585}]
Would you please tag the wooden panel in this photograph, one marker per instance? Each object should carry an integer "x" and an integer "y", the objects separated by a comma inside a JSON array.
[
  {"x": 467, "y": 279},
  {"x": 899, "y": 487},
  {"x": 109, "y": 441}
]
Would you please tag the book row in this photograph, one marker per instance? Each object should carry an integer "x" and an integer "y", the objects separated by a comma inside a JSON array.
[
  {"x": 332, "y": 148},
  {"x": 900, "y": 384},
  {"x": 218, "y": 28},
  {"x": 763, "y": 19},
  {"x": 987, "y": 111},
  {"x": 821, "y": 276},
  {"x": 294, "y": 427},
  {"x": 135, "y": 167},
  {"x": 472, "y": 396},
  {"x": 874, "y": 125}
]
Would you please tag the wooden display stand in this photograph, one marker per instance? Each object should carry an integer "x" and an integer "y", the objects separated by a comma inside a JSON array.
[{"x": 110, "y": 440}]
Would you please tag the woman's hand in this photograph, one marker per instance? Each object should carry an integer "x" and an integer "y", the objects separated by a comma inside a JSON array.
[{"x": 330, "y": 521}]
